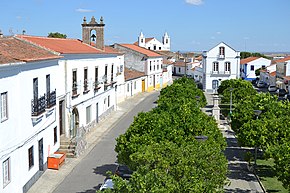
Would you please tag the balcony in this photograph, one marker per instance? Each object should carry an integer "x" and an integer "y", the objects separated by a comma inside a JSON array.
[
  {"x": 86, "y": 87},
  {"x": 221, "y": 56},
  {"x": 75, "y": 90},
  {"x": 51, "y": 99},
  {"x": 97, "y": 85},
  {"x": 38, "y": 106},
  {"x": 220, "y": 73}
]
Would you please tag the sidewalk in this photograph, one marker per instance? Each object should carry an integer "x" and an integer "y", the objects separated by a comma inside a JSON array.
[
  {"x": 50, "y": 179},
  {"x": 241, "y": 179}
]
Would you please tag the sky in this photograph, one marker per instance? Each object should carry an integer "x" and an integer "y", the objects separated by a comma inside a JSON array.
[{"x": 193, "y": 25}]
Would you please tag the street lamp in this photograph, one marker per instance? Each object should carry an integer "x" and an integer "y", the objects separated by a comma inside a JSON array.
[
  {"x": 231, "y": 102},
  {"x": 257, "y": 113},
  {"x": 201, "y": 138}
]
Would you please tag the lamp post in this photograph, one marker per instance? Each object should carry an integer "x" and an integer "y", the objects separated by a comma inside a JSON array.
[
  {"x": 201, "y": 138},
  {"x": 231, "y": 102},
  {"x": 257, "y": 113}
]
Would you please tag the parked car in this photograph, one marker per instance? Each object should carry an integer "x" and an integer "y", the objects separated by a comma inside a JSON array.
[
  {"x": 261, "y": 84},
  {"x": 108, "y": 184},
  {"x": 287, "y": 97},
  {"x": 281, "y": 92},
  {"x": 123, "y": 171},
  {"x": 272, "y": 88}
]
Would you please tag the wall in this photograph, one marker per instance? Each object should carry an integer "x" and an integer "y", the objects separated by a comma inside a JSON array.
[{"x": 21, "y": 130}]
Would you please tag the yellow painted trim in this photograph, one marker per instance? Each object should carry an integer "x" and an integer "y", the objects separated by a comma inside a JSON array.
[
  {"x": 157, "y": 86},
  {"x": 150, "y": 88}
]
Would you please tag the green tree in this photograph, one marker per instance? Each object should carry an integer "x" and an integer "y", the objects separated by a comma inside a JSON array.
[{"x": 56, "y": 35}]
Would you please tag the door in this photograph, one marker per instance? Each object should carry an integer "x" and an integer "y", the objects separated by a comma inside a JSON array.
[
  {"x": 143, "y": 85},
  {"x": 61, "y": 115},
  {"x": 40, "y": 154},
  {"x": 75, "y": 123}
]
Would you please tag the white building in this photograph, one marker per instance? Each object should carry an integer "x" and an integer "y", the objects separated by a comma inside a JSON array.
[
  {"x": 268, "y": 75},
  {"x": 146, "y": 61},
  {"x": 250, "y": 65},
  {"x": 219, "y": 63},
  {"x": 283, "y": 73},
  {"x": 153, "y": 44},
  {"x": 89, "y": 83},
  {"x": 28, "y": 126},
  {"x": 134, "y": 80}
]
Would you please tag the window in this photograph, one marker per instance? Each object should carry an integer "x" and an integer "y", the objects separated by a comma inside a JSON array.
[
  {"x": 154, "y": 47},
  {"x": 106, "y": 73},
  {"x": 48, "y": 85},
  {"x": 148, "y": 48},
  {"x": 74, "y": 82},
  {"x": 252, "y": 67},
  {"x": 35, "y": 90},
  {"x": 4, "y": 106},
  {"x": 179, "y": 69},
  {"x": 85, "y": 79},
  {"x": 30, "y": 158},
  {"x": 121, "y": 68},
  {"x": 159, "y": 48},
  {"x": 222, "y": 51},
  {"x": 227, "y": 66},
  {"x": 55, "y": 135},
  {"x": 135, "y": 85},
  {"x": 150, "y": 65},
  {"x": 166, "y": 41},
  {"x": 109, "y": 101},
  {"x": 215, "y": 66},
  {"x": 96, "y": 76},
  {"x": 88, "y": 114},
  {"x": 128, "y": 87},
  {"x": 263, "y": 66},
  {"x": 6, "y": 172},
  {"x": 141, "y": 40},
  {"x": 112, "y": 73}
]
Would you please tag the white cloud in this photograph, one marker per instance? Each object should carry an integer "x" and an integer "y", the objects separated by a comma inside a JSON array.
[
  {"x": 84, "y": 10},
  {"x": 194, "y": 2}
]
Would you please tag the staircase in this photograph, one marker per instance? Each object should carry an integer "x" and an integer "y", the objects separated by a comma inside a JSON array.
[{"x": 68, "y": 146}]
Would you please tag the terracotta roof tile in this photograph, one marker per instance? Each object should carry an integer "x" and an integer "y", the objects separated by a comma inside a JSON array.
[
  {"x": 283, "y": 60},
  {"x": 14, "y": 50},
  {"x": 273, "y": 73},
  {"x": 141, "y": 50},
  {"x": 179, "y": 63},
  {"x": 286, "y": 77},
  {"x": 247, "y": 60},
  {"x": 132, "y": 74},
  {"x": 63, "y": 46}
]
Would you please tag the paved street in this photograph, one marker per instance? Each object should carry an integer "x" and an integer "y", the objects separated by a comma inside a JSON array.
[
  {"x": 91, "y": 171},
  {"x": 85, "y": 173}
]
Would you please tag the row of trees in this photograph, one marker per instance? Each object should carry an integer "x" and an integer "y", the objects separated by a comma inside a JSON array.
[
  {"x": 270, "y": 131},
  {"x": 163, "y": 149}
]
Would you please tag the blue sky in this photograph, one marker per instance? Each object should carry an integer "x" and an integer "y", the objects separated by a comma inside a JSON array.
[{"x": 193, "y": 25}]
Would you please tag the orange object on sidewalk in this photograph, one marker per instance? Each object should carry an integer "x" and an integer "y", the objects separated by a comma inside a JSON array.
[{"x": 54, "y": 161}]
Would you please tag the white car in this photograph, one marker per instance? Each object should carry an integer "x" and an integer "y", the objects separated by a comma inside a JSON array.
[
  {"x": 108, "y": 184},
  {"x": 272, "y": 88}
]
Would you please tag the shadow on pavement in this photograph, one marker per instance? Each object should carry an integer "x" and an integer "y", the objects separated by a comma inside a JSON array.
[
  {"x": 91, "y": 190},
  {"x": 102, "y": 170},
  {"x": 237, "y": 190}
]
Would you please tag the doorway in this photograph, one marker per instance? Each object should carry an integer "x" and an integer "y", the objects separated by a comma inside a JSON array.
[
  {"x": 40, "y": 154},
  {"x": 75, "y": 122},
  {"x": 61, "y": 116}
]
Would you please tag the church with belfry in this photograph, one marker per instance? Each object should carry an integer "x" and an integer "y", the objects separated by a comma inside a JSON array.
[{"x": 154, "y": 44}]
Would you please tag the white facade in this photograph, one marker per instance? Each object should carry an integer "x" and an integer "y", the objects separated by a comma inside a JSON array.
[
  {"x": 27, "y": 135},
  {"x": 153, "y": 43},
  {"x": 219, "y": 63},
  {"x": 94, "y": 94},
  {"x": 134, "y": 86},
  {"x": 248, "y": 69}
]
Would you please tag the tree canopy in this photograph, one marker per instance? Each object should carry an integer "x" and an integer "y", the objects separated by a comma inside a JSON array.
[
  {"x": 56, "y": 35},
  {"x": 162, "y": 148}
]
